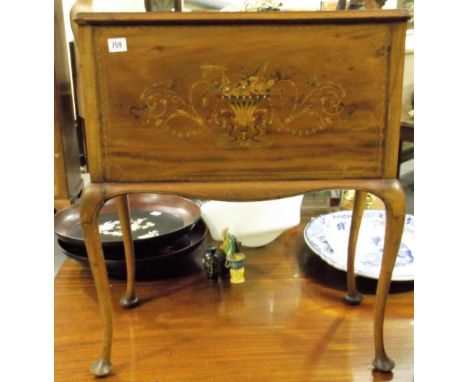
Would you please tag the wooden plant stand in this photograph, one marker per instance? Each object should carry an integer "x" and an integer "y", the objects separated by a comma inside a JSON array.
[{"x": 240, "y": 106}]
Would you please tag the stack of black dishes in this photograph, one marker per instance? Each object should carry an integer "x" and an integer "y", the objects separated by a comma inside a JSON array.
[{"x": 166, "y": 230}]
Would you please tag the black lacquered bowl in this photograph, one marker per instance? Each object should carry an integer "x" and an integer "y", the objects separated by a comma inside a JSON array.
[
  {"x": 158, "y": 262},
  {"x": 157, "y": 221}
]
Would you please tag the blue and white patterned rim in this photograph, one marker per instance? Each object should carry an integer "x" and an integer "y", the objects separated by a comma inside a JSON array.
[{"x": 327, "y": 236}]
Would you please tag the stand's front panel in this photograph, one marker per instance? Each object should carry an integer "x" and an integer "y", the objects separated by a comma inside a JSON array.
[{"x": 238, "y": 102}]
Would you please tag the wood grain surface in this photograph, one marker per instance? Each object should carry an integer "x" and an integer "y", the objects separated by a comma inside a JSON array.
[
  {"x": 84, "y": 14},
  {"x": 287, "y": 322},
  {"x": 302, "y": 96}
]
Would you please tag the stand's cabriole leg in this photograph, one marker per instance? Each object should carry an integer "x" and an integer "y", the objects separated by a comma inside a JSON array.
[
  {"x": 353, "y": 297},
  {"x": 90, "y": 205},
  {"x": 395, "y": 215},
  {"x": 129, "y": 300}
]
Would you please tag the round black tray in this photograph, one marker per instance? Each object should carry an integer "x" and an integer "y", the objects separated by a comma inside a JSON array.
[
  {"x": 162, "y": 261},
  {"x": 162, "y": 220}
]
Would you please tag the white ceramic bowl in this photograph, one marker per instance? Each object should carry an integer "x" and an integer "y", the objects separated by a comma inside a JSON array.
[{"x": 255, "y": 224}]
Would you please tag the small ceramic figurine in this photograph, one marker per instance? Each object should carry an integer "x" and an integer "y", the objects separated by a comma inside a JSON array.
[
  {"x": 234, "y": 259},
  {"x": 230, "y": 243},
  {"x": 235, "y": 263}
]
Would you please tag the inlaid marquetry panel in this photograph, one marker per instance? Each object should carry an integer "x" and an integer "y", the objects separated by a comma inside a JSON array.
[{"x": 243, "y": 102}]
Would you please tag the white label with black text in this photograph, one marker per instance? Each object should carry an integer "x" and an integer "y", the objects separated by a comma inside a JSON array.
[{"x": 117, "y": 44}]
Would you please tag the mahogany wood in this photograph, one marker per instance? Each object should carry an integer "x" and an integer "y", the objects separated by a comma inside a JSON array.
[
  {"x": 395, "y": 218},
  {"x": 83, "y": 14},
  {"x": 286, "y": 323},
  {"x": 353, "y": 296},
  {"x": 103, "y": 365},
  {"x": 345, "y": 142},
  {"x": 78, "y": 120},
  {"x": 242, "y": 106},
  {"x": 129, "y": 300}
]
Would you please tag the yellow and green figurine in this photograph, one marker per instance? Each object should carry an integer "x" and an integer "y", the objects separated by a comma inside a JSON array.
[{"x": 234, "y": 258}]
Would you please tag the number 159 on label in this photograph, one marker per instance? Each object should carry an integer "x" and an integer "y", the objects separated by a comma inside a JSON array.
[{"x": 117, "y": 44}]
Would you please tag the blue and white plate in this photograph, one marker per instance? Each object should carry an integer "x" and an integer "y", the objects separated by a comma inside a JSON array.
[{"x": 328, "y": 235}]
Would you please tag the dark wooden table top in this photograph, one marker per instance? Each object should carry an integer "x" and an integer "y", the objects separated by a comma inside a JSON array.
[{"x": 287, "y": 322}]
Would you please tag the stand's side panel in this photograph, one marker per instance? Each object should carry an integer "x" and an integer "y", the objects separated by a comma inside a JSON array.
[{"x": 89, "y": 100}]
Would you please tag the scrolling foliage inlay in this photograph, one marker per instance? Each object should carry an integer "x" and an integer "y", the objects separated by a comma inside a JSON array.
[{"x": 245, "y": 108}]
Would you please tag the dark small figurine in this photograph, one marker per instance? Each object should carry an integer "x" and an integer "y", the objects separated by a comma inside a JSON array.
[
  {"x": 210, "y": 262},
  {"x": 214, "y": 261}
]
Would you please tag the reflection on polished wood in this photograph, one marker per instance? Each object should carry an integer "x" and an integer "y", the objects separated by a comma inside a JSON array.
[{"x": 287, "y": 322}]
